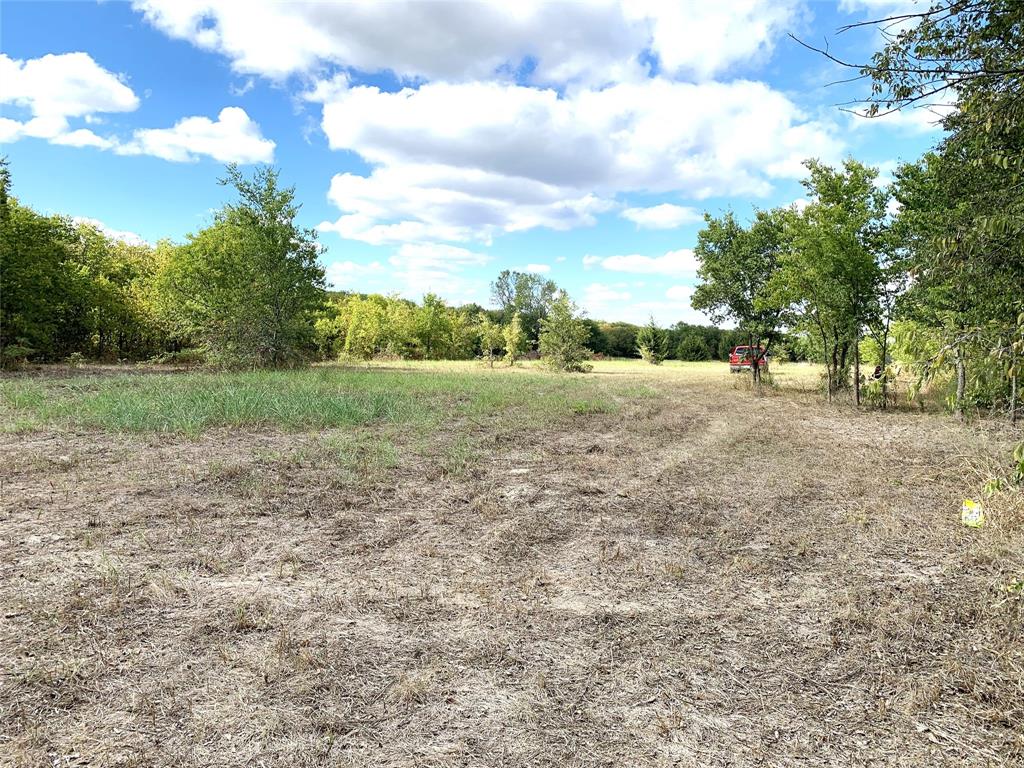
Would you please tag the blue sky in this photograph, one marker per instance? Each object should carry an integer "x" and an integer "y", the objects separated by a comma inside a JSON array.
[{"x": 435, "y": 144}]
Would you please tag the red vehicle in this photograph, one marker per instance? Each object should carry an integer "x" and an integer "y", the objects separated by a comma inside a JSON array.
[{"x": 741, "y": 358}]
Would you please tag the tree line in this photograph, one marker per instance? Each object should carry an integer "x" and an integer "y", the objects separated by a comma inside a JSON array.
[
  {"x": 925, "y": 273},
  {"x": 248, "y": 290}
]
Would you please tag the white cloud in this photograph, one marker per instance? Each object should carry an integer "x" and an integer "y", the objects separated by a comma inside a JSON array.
[
  {"x": 555, "y": 43},
  {"x": 468, "y": 161},
  {"x": 54, "y": 89},
  {"x": 123, "y": 235},
  {"x": 342, "y": 274},
  {"x": 437, "y": 268},
  {"x": 681, "y": 293},
  {"x": 604, "y": 302},
  {"x": 920, "y": 119},
  {"x": 886, "y": 173},
  {"x": 82, "y": 137},
  {"x": 664, "y": 216},
  {"x": 537, "y": 269},
  {"x": 679, "y": 263},
  {"x": 800, "y": 204},
  {"x": 599, "y": 295},
  {"x": 412, "y": 203},
  {"x": 702, "y": 39},
  {"x": 232, "y": 137}
]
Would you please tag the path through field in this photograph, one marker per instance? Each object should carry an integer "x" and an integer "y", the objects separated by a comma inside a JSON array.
[{"x": 702, "y": 578}]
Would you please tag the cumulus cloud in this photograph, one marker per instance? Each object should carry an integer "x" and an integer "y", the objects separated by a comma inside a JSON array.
[
  {"x": 664, "y": 216},
  {"x": 344, "y": 274},
  {"x": 123, "y": 235},
  {"x": 436, "y": 268},
  {"x": 552, "y": 43},
  {"x": 679, "y": 263},
  {"x": 56, "y": 88},
  {"x": 917, "y": 119},
  {"x": 413, "y": 202},
  {"x": 467, "y": 161},
  {"x": 232, "y": 138},
  {"x": 523, "y": 115}
]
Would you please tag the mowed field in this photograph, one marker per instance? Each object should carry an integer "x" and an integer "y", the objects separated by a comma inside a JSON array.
[{"x": 446, "y": 565}]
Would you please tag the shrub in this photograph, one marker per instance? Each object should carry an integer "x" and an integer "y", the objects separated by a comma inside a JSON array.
[
  {"x": 563, "y": 338},
  {"x": 652, "y": 343},
  {"x": 515, "y": 340}
]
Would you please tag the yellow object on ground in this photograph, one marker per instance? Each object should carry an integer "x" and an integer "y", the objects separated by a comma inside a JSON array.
[{"x": 971, "y": 514}]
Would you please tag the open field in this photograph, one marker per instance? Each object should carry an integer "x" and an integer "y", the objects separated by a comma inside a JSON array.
[{"x": 440, "y": 564}]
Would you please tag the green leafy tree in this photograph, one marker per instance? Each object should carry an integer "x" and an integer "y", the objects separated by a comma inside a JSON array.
[
  {"x": 492, "y": 338},
  {"x": 462, "y": 335},
  {"x": 964, "y": 203},
  {"x": 434, "y": 327},
  {"x": 737, "y": 266},
  {"x": 248, "y": 285},
  {"x": 525, "y": 294},
  {"x": 563, "y": 338},
  {"x": 652, "y": 343},
  {"x": 515, "y": 340},
  {"x": 692, "y": 346},
  {"x": 831, "y": 276}
]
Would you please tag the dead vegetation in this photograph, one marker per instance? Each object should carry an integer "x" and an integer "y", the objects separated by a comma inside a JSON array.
[{"x": 659, "y": 585}]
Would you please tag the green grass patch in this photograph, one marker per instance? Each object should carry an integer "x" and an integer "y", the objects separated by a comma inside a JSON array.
[{"x": 317, "y": 398}]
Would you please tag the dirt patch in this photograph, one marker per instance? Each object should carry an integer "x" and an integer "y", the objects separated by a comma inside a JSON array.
[{"x": 663, "y": 585}]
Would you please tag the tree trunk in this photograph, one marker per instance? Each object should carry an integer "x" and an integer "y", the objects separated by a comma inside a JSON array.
[
  {"x": 1013, "y": 386},
  {"x": 856, "y": 369},
  {"x": 1013, "y": 399},
  {"x": 843, "y": 352},
  {"x": 961, "y": 383},
  {"x": 885, "y": 369},
  {"x": 833, "y": 373}
]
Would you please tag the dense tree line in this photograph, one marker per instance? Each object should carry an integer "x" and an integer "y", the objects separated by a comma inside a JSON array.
[
  {"x": 241, "y": 292},
  {"x": 248, "y": 291},
  {"x": 67, "y": 289},
  {"x": 924, "y": 274}
]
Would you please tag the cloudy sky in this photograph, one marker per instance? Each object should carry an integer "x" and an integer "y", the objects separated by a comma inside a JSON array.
[{"x": 434, "y": 144}]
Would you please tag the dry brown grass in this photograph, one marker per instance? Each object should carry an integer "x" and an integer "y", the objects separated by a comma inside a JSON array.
[{"x": 603, "y": 592}]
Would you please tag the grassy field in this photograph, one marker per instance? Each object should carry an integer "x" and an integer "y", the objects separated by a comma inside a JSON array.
[{"x": 443, "y": 564}]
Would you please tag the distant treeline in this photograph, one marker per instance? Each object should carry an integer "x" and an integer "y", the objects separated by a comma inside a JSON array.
[
  {"x": 248, "y": 290},
  {"x": 366, "y": 325}
]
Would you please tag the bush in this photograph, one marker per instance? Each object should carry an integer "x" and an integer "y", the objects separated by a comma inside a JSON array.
[
  {"x": 15, "y": 355},
  {"x": 693, "y": 347},
  {"x": 564, "y": 337},
  {"x": 652, "y": 343},
  {"x": 515, "y": 340}
]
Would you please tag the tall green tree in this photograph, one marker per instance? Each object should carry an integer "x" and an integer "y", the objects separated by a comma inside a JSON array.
[
  {"x": 963, "y": 204},
  {"x": 831, "y": 275},
  {"x": 515, "y": 340},
  {"x": 563, "y": 338},
  {"x": 492, "y": 338},
  {"x": 247, "y": 286},
  {"x": 737, "y": 268},
  {"x": 652, "y": 343},
  {"x": 36, "y": 287},
  {"x": 524, "y": 294}
]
